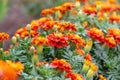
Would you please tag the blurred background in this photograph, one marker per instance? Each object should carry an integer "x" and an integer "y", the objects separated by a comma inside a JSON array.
[{"x": 18, "y": 13}]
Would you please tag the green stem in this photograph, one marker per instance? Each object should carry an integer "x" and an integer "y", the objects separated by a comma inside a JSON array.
[{"x": 1, "y": 44}]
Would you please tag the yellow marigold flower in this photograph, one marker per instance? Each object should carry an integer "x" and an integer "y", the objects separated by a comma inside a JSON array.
[
  {"x": 93, "y": 69},
  {"x": 88, "y": 46},
  {"x": 86, "y": 65}
]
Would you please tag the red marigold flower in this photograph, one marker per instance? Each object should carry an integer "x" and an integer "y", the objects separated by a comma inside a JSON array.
[
  {"x": 90, "y": 10},
  {"x": 110, "y": 42},
  {"x": 57, "y": 40},
  {"x": 66, "y": 26},
  {"x": 3, "y": 36},
  {"x": 61, "y": 65},
  {"x": 114, "y": 32},
  {"x": 96, "y": 34},
  {"x": 76, "y": 39},
  {"x": 74, "y": 76},
  {"x": 10, "y": 70}
]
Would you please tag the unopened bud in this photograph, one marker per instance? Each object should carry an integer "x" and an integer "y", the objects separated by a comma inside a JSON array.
[
  {"x": 32, "y": 49},
  {"x": 17, "y": 36},
  {"x": 28, "y": 27},
  {"x": 14, "y": 40}
]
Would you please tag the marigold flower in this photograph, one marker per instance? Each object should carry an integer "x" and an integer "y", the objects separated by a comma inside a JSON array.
[
  {"x": 114, "y": 32},
  {"x": 10, "y": 70},
  {"x": 46, "y": 12},
  {"x": 96, "y": 34},
  {"x": 41, "y": 63},
  {"x": 106, "y": 8},
  {"x": 61, "y": 65},
  {"x": 110, "y": 42},
  {"x": 86, "y": 65},
  {"x": 68, "y": 5},
  {"x": 23, "y": 32},
  {"x": 66, "y": 26},
  {"x": 89, "y": 10},
  {"x": 101, "y": 77},
  {"x": 88, "y": 57},
  {"x": 93, "y": 69},
  {"x": 114, "y": 18},
  {"x": 76, "y": 39},
  {"x": 36, "y": 24},
  {"x": 80, "y": 51},
  {"x": 3, "y": 36},
  {"x": 57, "y": 40},
  {"x": 88, "y": 46},
  {"x": 74, "y": 76},
  {"x": 49, "y": 25},
  {"x": 61, "y": 9}
]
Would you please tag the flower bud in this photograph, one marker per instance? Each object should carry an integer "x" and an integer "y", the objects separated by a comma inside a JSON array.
[
  {"x": 14, "y": 40},
  {"x": 32, "y": 49},
  {"x": 17, "y": 36},
  {"x": 88, "y": 46},
  {"x": 35, "y": 58},
  {"x": 39, "y": 48},
  {"x": 86, "y": 66},
  {"x": 28, "y": 27}
]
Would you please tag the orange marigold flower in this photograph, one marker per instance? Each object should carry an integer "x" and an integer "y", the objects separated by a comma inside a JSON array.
[
  {"x": 39, "y": 40},
  {"x": 49, "y": 25},
  {"x": 61, "y": 65},
  {"x": 23, "y": 32},
  {"x": 68, "y": 5},
  {"x": 90, "y": 10},
  {"x": 101, "y": 77},
  {"x": 57, "y": 40},
  {"x": 88, "y": 57},
  {"x": 61, "y": 9},
  {"x": 76, "y": 39},
  {"x": 74, "y": 76},
  {"x": 41, "y": 63},
  {"x": 96, "y": 34},
  {"x": 114, "y": 18},
  {"x": 47, "y": 12},
  {"x": 110, "y": 42},
  {"x": 10, "y": 70},
  {"x": 80, "y": 51},
  {"x": 106, "y": 8},
  {"x": 66, "y": 26},
  {"x": 36, "y": 24},
  {"x": 114, "y": 32},
  {"x": 3, "y": 36}
]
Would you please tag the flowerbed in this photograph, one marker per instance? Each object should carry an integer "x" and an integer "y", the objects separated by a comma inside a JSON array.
[{"x": 73, "y": 41}]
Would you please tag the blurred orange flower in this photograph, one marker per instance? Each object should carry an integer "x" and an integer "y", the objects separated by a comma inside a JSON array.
[
  {"x": 61, "y": 65},
  {"x": 4, "y": 36},
  {"x": 90, "y": 9},
  {"x": 10, "y": 70}
]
